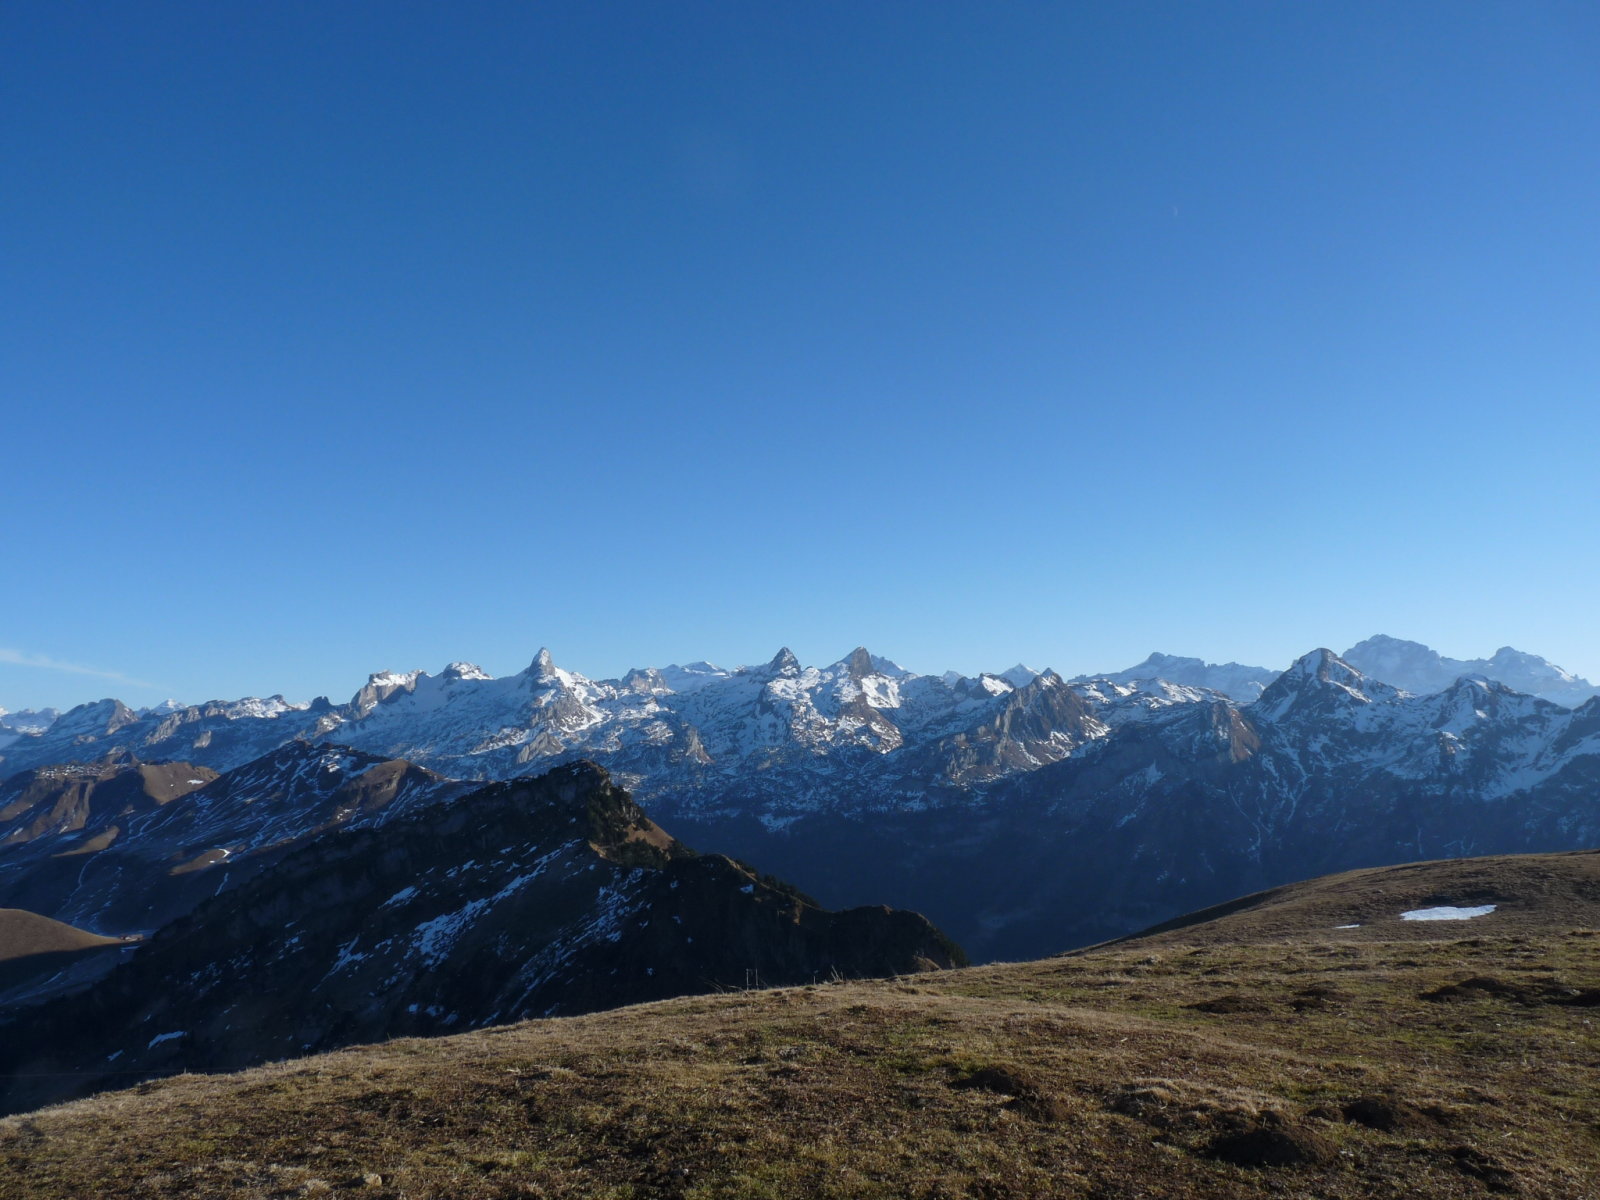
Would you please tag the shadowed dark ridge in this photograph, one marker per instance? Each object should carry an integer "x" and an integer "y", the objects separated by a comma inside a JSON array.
[{"x": 543, "y": 896}]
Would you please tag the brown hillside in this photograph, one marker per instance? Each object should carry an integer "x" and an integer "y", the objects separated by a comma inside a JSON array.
[
  {"x": 1532, "y": 894},
  {"x": 23, "y": 934},
  {"x": 1455, "y": 1063}
]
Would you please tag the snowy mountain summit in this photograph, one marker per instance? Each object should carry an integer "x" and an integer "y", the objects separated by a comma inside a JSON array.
[
  {"x": 1234, "y": 680},
  {"x": 1415, "y": 668}
]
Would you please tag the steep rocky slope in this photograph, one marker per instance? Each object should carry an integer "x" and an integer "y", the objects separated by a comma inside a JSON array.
[
  {"x": 540, "y": 896},
  {"x": 123, "y": 846}
]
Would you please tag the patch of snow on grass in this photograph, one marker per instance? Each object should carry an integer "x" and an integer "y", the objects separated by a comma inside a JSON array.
[{"x": 1447, "y": 912}]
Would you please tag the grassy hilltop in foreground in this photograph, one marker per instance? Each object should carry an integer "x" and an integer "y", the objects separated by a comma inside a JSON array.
[{"x": 1262, "y": 1053}]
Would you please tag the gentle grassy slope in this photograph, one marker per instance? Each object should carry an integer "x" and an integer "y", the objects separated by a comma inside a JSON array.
[
  {"x": 23, "y": 934},
  {"x": 1532, "y": 893},
  {"x": 1150, "y": 1068},
  {"x": 34, "y": 948}
]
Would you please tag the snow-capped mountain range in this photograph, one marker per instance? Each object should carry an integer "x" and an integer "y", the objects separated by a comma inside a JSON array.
[
  {"x": 860, "y": 781},
  {"x": 699, "y": 730},
  {"x": 707, "y": 727}
]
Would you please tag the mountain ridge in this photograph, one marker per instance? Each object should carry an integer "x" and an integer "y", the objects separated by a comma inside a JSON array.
[{"x": 541, "y": 896}]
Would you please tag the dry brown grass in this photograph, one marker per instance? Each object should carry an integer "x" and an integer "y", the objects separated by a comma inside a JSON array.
[
  {"x": 24, "y": 934},
  {"x": 1085, "y": 1076}
]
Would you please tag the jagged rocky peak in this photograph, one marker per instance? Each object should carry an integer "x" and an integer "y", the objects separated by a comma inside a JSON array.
[
  {"x": 1325, "y": 666},
  {"x": 543, "y": 665},
  {"x": 859, "y": 663},
  {"x": 1479, "y": 696},
  {"x": 1319, "y": 678},
  {"x": 96, "y": 717},
  {"x": 644, "y": 680},
  {"x": 463, "y": 670},
  {"x": 380, "y": 686},
  {"x": 1045, "y": 679},
  {"x": 544, "y": 674},
  {"x": 783, "y": 663}
]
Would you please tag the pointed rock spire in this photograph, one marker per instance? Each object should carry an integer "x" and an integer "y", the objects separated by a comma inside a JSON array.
[{"x": 859, "y": 664}]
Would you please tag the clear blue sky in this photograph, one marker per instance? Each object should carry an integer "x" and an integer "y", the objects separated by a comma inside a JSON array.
[{"x": 373, "y": 335}]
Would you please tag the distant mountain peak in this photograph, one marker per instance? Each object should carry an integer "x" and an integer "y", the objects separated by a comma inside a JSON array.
[
  {"x": 1234, "y": 680},
  {"x": 1319, "y": 663},
  {"x": 1019, "y": 675},
  {"x": 1422, "y": 670},
  {"x": 1158, "y": 659},
  {"x": 1317, "y": 679}
]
